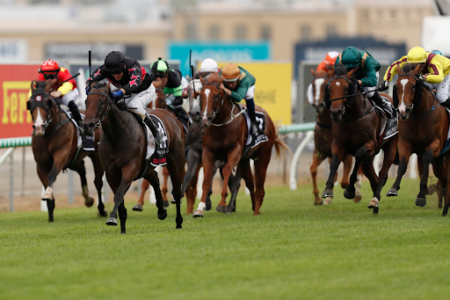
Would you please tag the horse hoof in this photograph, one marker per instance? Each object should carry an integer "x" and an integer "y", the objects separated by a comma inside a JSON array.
[
  {"x": 111, "y": 221},
  {"x": 349, "y": 194},
  {"x": 392, "y": 193},
  {"x": 138, "y": 207},
  {"x": 357, "y": 198},
  {"x": 375, "y": 211},
  {"x": 318, "y": 202},
  {"x": 89, "y": 201},
  {"x": 166, "y": 203},
  {"x": 208, "y": 205},
  {"x": 373, "y": 204},
  {"x": 162, "y": 216},
  {"x": 222, "y": 208},
  {"x": 103, "y": 214},
  {"x": 173, "y": 201},
  {"x": 421, "y": 202},
  {"x": 327, "y": 201},
  {"x": 327, "y": 193},
  {"x": 198, "y": 214}
]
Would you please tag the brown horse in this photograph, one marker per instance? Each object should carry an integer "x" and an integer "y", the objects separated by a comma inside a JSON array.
[
  {"x": 225, "y": 138},
  {"x": 54, "y": 145},
  {"x": 356, "y": 129},
  {"x": 423, "y": 129},
  {"x": 123, "y": 150},
  {"x": 323, "y": 137}
]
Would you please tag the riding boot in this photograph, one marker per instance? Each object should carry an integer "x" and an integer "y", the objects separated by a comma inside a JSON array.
[
  {"x": 156, "y": 133},
  {"x": 446, "y": 103},
  {"x": 383, "y": 104},
  {"x": 254, "y": 128},
  {"x": 75, "y": 112}
]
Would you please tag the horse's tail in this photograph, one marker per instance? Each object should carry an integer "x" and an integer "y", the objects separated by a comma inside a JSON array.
[{"x": 281, "y": 149}]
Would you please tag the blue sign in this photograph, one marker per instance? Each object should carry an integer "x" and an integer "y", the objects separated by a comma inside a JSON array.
[
  {"x": 229, "y": 52},
  {"x": 316, "y": 51}
]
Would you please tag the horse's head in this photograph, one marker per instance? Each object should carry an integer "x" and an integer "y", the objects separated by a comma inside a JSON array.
[
  {"x": 340, "y": 86},
  {"x": 211, "y": 98},
  {"x": 407, "y": 90},
  {"x": 194, "y": 100},
  {"x": 41, "y": 106},
  {"x": 319, "y": 84},
  {"x": 98, "y": 104}
]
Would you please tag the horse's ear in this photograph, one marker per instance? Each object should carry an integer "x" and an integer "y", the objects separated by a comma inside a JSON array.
[
  {"x": 48, "y": 87},
  {"x": 313, "y": 72},
  {"x": 28, "y": 105},
  {"x": 417, "y": 69},
  {"x": 400, "y": 70},
  {"x": 202, "y": 80},
  {"x": 395, "y": 97},
  {"x": 349, "y": 74},
  {"x": 33, "y": 86}
]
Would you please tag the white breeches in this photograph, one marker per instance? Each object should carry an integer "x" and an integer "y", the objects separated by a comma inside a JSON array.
[
  {"x": 371, "y": 88},
  {"x": 441, "y": 89},
  {"x": 250, "y": 93},
  {"x": 138, "y": 102},
  {"x": 70, "y": 96}
]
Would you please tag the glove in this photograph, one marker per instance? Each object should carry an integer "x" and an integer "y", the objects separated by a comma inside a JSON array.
[
  {"x": 121, "y": 104},
  {"x": 117, "y": 94},
  {"x": 421, "y": 77},
  {"x": 384, "y": 86}
]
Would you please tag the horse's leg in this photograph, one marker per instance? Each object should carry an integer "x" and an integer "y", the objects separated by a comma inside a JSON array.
[
  {"x": 369, "y": 172},
  {"x": 164, "y": 188},
  {"x": 404, "y": 153},
  {"x": 81, "y": 170},
  {"x": 98, "y": 181},
  {"x": 358, "y": 185},
  {"x": 246, "y": 173},
  {"x": 349, "y": 192},
  {"x": 152, "y": 178},
  {"x": 176, "y": 176},
  {"x": 440, "y": 171},
  {"x": 317, "y": 160},
  {"x": 261, "y": 165},
  {"x": 208, "y": 159},
  {"x": 348, "y": 162},
  {"x": 189, "y": 186},
  {"x": 124, "y": 185},
  {"x": 191, "y": 192},
  {"x": 427, "y": 158},
  {"x": 234, "y": 184},
  {"x": 43, "y": 176},
  {"x": 338, "y": 152},
  {"x": 390, "y": 150},
  {"x": 447, "y": 195},
  {"x": 233, "y": 158},
  {"x": 144, "y": 187}
]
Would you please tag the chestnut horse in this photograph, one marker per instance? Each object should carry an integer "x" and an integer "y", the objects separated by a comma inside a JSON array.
[
  {"x": 225, "y": 139},
  {"x": 54, "y": 144},
  {"x": 356, "y": 128},
  {"x": 123, "y": 149},
  {"x": 323, "y": 137},
  {"x": 423, "y": 129}
]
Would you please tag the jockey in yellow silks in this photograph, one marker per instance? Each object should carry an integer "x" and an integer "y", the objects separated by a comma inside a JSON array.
[{"x": 435, "y": 71}]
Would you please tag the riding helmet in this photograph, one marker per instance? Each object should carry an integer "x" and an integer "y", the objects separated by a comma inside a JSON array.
[
  {"x": 351, "y": 57},
  {"x": 49, "y": 66},
  {"x": 209, "y": 65},
  {"x": 159, "y": 67},
  {"x": 417, "y": 55},
  {"x": 230, "y": 72},
  {"x": 114, "y": 62},
  {"x": 437, "y": 52}
]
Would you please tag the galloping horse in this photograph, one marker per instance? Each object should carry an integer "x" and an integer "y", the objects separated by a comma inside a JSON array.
[
  {"x": 123, "y": 149},
  {"x": 423, "y": 129},
  {"x": 356, "y": 131},
  {"x": 323, "y": 137},
  {"x": 54, "y": 144},
  {"x": 225, "y": 138}
]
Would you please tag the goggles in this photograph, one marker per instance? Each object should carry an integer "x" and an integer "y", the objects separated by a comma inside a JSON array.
[{"x": 50, "y": 76}]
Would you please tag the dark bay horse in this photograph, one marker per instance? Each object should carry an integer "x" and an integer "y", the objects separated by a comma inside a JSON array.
[
  {"x": 356, "y": 131},
  {"x": 323, "y": 137},
  {"x": 54, "y": 145},
  {"x": 225, "y": 138},
  {"x": 423, "y": 129},
  {"x": 123, "y": 150}
]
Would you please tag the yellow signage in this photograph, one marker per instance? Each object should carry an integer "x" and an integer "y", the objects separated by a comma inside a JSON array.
[
  {"x": 273, "y": 88},
  {"x": 15, "y": 97}
]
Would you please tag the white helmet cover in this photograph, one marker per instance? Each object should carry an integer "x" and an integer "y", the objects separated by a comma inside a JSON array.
[{"x": 209, "y": 65}]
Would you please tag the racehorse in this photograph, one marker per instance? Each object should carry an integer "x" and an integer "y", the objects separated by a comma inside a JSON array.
[
  {"x": 356, "y": 129},
  {"x": 423, "y": 129},
  {"x": 123, "y": 150},
  {"x": 323, "y": 137},
  {"x": 54, "y": 144},
  {"x": 225, "y": 138}
]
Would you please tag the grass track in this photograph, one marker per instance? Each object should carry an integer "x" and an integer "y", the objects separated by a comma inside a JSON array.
[{"x": 293, "y": 251}]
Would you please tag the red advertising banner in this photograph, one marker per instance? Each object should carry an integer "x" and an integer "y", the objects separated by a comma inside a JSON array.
[{"x": 15, "y": 80}]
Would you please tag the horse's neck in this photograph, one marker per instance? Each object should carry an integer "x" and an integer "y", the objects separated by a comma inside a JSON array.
[
  {"x": 57, "y": 117},
  {"x": 425, "y": 105},
  {"x": 224, "y": 112},
  {"x": 356, "y": 110},
  {"x": 324, "y": 117},
  {"x": 114, "y": 125}
]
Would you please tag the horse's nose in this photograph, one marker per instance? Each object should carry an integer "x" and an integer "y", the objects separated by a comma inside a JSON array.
[{"x": 89, "y": 127}]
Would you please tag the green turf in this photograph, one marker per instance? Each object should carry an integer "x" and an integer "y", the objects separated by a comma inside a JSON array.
[{"x": 293, "y": 251}]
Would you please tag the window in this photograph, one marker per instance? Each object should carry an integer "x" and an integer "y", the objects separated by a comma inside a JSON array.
[
  {"x": 241, "y": 32},
  {"x": 331, "y": 30},
  {"x": 266, "y": 32},
  {"x": 214, "y": 32},
  {"x": 190, "y": 31},
  {"x": 305, "y": 33}
]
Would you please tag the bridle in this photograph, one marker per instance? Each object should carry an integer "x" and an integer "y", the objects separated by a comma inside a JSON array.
[
  {"x": 218, "y": 106},
  {"x": 106, "y": 112},
  {"x": 48, "y": 111}
]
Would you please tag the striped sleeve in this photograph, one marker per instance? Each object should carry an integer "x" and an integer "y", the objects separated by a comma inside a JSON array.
[{"x": 392, "y": 70}]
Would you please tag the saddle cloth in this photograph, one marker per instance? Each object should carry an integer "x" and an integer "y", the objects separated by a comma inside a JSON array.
[
  {"x": 156, "y": 154},
  {"x": 389, "y": 127},
  {"x": 79, "y": 139},
  {"x": 447, "y": 143},
  {"x": 254, "y": 140}
]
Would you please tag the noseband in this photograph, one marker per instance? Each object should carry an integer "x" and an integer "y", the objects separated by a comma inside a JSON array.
[{"x": 108, "y": 108}]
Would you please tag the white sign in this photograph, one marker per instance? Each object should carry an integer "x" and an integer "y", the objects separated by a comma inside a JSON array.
[{"x": 13, "y": 51}]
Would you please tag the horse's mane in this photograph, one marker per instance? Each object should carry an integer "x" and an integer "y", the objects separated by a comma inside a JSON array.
[
  {"x": 40, "y": 86},
  {"x": 99, "y": 85},
  {"x": 214, "y": 77},
  {"x": 407, "y": 68},
  {"x": 340, "y": 70}
]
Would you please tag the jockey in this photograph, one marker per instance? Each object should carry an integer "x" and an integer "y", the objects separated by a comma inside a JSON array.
[
  {"x": 174, "y": 86},
  {"x": 64, "y": 92},
  {"x": 365, "y": 69},
  {"x": 434, "y": 70},
  {"x": 207, "y": 67},
  {"x": 240, "y": 84},
  {"x": 128, "y": 77},
  {"x": 327, "y": 65}
]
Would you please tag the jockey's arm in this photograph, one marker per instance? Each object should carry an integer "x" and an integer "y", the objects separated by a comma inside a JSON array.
[
  {"x": 239, "y": 94},
  {"x": 371, "y": 74},
  {"x": 135, "y": 79},
  {"x": 435, "y": 73},
  {"x": 177, "y": 92},
  {"x": 392, "y": 70},
  {"x": 96, "y": 76},
  {"x": 65, "y": 88}
]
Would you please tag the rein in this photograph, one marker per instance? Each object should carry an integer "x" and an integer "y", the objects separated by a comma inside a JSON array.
[
  {"x": 232, "y": 116},
  {"x": 48, "y": 121}
]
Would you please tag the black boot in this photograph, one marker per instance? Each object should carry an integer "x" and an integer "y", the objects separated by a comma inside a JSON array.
[
  {"x": 446, "y": 103},
  {"x": 254, "y": 128},
  {"x": 383, "y": 104},
  {"x": 156, "y": 133},
  {"x": 75, "y": 112}
]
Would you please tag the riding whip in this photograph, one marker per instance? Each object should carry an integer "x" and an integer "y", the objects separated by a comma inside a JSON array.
[{"x": 90, "y": 64}]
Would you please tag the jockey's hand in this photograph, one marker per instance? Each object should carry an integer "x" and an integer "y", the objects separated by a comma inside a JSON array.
[
  {"x": 117, "y": 94},
  {"x": 359, "y": 82},
  {"x": 227, "y": 91},
  {"x": 87, "y": 90},
  {"x": 160, "y": 83},
  {"x": 384, "y": 86},
  {"x": 421, "y": 77},
  {"x": 56, "y": 94}
]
